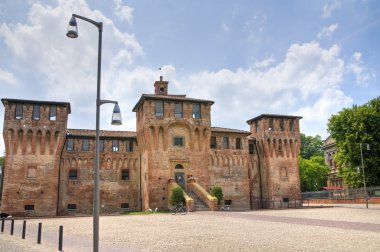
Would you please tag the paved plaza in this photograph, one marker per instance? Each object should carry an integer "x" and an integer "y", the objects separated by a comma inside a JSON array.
[{"x": 339, "y": 228}]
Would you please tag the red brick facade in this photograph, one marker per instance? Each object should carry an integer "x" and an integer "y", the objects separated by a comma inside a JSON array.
[{"x": 49, "y": 168}]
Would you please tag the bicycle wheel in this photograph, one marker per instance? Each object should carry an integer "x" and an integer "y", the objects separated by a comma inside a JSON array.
[
  {"x": 182, "y": 210},
  {"x": 173, "y": 210}
]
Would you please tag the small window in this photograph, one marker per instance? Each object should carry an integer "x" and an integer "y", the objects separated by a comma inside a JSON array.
[
  {"x": 73, "y": 174},
  {"x": 70, "y": 144},
  {"x": 238, "y": 143},
  {"x": 159, "y": 108},
  {"x": 53, "y": 113},
  {"x": 270, "y": 124},
  {"x": 125, "y": 174},
  {"x": 196, "y": 111},
  {"x": 162, "y": 90},
  {"x": 18, "y": 112},
  {"x": 178, "y": 166},
  {"x": 285, "y": 200},
  {"x": 178, "y": 109},
  {"x": 226, "y": 143},
  {"x": 71, "y": 206},
  {"x": 36, "y": 112},
  {"x": 29, "y": 207},
  {"x": 228, "y": 202},
  {"x": 291, "y": 125},
  {"x": 32, "y": 172},
  {"x": 257, "y": 126},
  {"x": 115, "y": 145},
  {"x": 101, "y": 145},
  {"x": 85, "y": 145},
  {"x": 282, "y": 127},
  {"x": 178, "y": 141},
  {"x": 213, "y": 142},
  {"x": 124, "y": 206},
  {"x": 251, "y": 148},
  {"x": 129, "y": 146}
]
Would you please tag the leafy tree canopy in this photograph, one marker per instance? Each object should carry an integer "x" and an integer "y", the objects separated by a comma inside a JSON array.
[
  {"x": 311, "y": 146},
  {"x": 2, "y": 161},
  {"x": 177, "y": 196},
  {"x": 351, "y": 127},
  {"x": 313, "y": 173},
  {"x": 217, "y": 192}
]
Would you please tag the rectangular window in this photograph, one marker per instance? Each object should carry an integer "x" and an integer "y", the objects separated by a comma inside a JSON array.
[
  {"x": 53, "y": 113},
  {"x": 228, "y": 202},
  {"x": 129, "y": 146},
  {"x": 125, "y": 174},
  {"x": 32, "y": 172},
  {"x": 178, "y": 141},
  {"x": 18, "y": 112},
  {"x": 29, "y": 207},
  {"x": 285, "y": 200},
  {"x": 124, "y": 206},
  {"x": 282, "y": 127},
  {"x": 226, "y": 143},
  {"x": 213, "y": 142},
  {"x": 85, "y": 144},
  {"x": 251, "y": 148},
  {"x": 270, "y": 124},
  {"x": 178, "y": 109},
  {"x": 71, "y": 206},
  {"x": 257, "y": 126},
  {"x": 291, "y": 125},
  {"x": 36, "y": 112},
  {"x": 238, "y": 143},
  {"x": 159, "y": 108},
  {"x": 73, "y": 174},
  {"x": 196, "y": 111},
  {"x": 70, "y": 144},
  {"x": 115, "y": 145},
  {"x": 101, "y": 145}
]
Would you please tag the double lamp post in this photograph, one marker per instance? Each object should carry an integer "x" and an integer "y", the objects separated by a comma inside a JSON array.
[{"x": 72, "y": 32}]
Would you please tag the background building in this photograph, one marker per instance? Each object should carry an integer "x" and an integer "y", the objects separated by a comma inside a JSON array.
[
  {"x": 334, "y": 181},
  {"x": 49, "y": 168}
]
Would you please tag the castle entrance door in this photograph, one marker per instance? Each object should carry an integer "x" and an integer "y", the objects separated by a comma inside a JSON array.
[{"x": 180, "y": 179}]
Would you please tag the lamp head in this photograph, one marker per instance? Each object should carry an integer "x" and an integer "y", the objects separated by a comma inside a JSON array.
[
  {"x": 116, "y": 116},
  {"x": 72, "y": 28}
]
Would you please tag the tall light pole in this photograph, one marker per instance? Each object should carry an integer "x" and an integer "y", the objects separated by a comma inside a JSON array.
[
  {"x": 365, "y": 186},
  {"x": 72, "y": 32}
]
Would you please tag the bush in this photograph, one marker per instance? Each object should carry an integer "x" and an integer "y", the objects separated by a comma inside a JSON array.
[
  {"x": 217, "y": 192},
  {"x": 177, "y": 196}
]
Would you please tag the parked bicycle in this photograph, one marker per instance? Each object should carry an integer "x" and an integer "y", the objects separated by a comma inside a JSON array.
[{"x": 180, "y": 208}]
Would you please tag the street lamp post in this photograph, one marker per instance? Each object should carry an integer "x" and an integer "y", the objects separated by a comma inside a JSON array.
[
  {"x": 365, "y": 185},
  {"x": 72, "y": 32}
]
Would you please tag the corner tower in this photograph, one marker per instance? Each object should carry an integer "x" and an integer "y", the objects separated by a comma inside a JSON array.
[
  {"x": 278, "y": 144},
  {"x": 34, "y": 134}
]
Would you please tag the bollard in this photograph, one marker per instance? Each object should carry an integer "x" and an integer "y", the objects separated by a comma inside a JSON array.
[
  {"x": 60, "y": 238},
  {"x": 23, "y": 229},
  {"x": 39, "y": 233},
  {"x": 12, "y": 226},
  {"x": 2, "y": 225}
]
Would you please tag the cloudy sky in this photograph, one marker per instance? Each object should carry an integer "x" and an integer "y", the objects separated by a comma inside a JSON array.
[{"x": 306, "y": 58}]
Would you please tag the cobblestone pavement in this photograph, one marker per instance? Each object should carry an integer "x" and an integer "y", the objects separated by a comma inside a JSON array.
[{"x": 339, "y": 228}]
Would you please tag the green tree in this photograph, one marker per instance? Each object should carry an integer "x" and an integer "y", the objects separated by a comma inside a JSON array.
[
  {"x": 217, "y": 192},
  {"x": 177, "y": 196},
  {"x": 313, "y": 173},
  {"x": 351, "y": 127},
  {"x": 311, "y": 146},
  {"x": 2, "y": 161}
]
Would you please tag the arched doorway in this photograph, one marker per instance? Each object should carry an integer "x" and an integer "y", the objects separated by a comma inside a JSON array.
[{"x": 179, "y": 175}]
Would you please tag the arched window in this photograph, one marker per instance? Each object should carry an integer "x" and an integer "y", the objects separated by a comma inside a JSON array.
[{"x": 179, "y": 166}]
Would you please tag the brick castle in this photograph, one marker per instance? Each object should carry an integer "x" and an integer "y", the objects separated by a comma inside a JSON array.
[{"x": 48, "y": 168}]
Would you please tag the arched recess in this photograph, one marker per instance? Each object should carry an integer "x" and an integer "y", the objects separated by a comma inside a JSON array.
[
  {"x": 109, "y": 163},
  {"x": 151, "y": 138},
  {"x": 29, "y": 136},
  {"x": 206, "y": 140},
  {"x": 160, "y": 138},
  {"x": 196, "y": 140},
  {"x": 179, "y": 128},
  {"x": 56, "y": 140},
  {"x": 292, "y": 147},
  {"x": 280, "y": 149},
  {"x": 38, "y": 142},
  {"x": 269, "y": 148},
  {"x": 286, "y": 150},
  {"x": 120, "y": 165},
  {"x": 20, "y": 134},
  {"x": 10, "y": 145},
  {"x": 114, "y": 163},
  {"x": 47, "y": 142},
  {"x": 274, "y": 148}
]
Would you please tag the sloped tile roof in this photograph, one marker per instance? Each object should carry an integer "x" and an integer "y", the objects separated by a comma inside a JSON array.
[
  {"x": 227, "y": 130},
  {"x": 102, "y": 133}
]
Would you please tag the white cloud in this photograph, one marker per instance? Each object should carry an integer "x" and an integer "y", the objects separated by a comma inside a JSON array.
[
  {"x": 305, "y": 74},
  {"x": 8, "y": 77},
  {"x": 330, "y": 7},
  {"x": 362, "y": 73},
  {"x": 264, "y": 63},
  {"x": 123, "y": 12},
  {"x": 225, "y": 27},
  {"x": 328, "y": 31}
]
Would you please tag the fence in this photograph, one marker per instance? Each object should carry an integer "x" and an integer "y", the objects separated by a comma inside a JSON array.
[
  {"x": 348, "y": 194},
  {"x": 267, "y": 204}
]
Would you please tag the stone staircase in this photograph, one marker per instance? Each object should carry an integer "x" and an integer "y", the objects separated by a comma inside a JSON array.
[{"x": 199, "y": 205}]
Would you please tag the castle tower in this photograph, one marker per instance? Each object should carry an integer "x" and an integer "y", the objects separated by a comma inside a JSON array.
[
  {"x": 278, "y": 144},
  {"x": 173, "y": 133},
  {"x": 34, "y": 135}
]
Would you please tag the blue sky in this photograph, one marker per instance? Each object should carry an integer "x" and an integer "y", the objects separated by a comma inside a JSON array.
[{"x": 306, "y": 58}]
